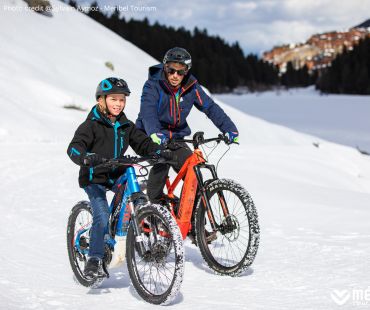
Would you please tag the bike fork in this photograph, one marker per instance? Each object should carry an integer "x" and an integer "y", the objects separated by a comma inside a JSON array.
[
  {"x": 137, "y": 232},
  {"x": 203, "y": 192},
  {"x": 205, "y": 199}
]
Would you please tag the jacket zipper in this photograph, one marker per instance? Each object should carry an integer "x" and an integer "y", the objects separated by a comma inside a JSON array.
[{"x": 174, "y": 106}]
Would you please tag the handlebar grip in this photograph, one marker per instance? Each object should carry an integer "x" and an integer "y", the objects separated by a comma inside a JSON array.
[{"x": 86, "y": 161}]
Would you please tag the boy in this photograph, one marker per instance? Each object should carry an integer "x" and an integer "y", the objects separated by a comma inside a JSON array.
[{"x": 106, "y": 133}]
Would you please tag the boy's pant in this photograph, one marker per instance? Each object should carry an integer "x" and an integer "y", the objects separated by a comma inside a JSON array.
[
  {"x": 100, "y": 210},
  {"x": 159, "y": 172}
]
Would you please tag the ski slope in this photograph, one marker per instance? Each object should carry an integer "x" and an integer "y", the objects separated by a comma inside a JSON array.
[{"x": 313, "y": 203}]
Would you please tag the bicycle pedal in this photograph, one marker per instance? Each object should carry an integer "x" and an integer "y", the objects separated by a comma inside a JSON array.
[{"x": 83, "y": 243}]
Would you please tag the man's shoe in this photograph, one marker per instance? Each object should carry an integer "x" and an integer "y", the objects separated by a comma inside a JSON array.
[
  {"x": 191, "y": 236},
  {"x": 94, "y": 268},
  {"x": 211, "y": 236}
]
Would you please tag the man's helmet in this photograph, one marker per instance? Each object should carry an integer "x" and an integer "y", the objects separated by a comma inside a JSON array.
[
  {"x": 179, "y": 55},
  {"x": 112, "y": 85}
]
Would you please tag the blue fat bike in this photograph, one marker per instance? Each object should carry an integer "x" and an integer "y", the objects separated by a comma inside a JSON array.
[{"x": 145, "y": 235}]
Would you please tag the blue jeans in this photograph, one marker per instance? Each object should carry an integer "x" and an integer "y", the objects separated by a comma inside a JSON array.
[{"x": 100, "y": 209}]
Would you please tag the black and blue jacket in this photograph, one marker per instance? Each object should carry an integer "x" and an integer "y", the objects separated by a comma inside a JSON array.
[
  {"x": 98, "y": 135},
  {"x": 163, "y": 111}
]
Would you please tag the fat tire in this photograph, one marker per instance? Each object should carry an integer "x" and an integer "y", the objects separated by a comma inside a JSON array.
[
  {"x": 254, "y": 230},
  {"x": 163, "y": 213},
  {"x": 79, "y": 277}
]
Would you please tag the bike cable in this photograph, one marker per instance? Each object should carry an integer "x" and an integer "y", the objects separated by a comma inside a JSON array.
[
  {"x": 213, "y": 147},
  {"x": 143, "y": 170},
  {"x": 228, "y": 149}
]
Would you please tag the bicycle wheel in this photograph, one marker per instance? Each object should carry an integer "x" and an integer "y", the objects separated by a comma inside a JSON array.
[
  {"x": 78, "y": 239},
  {"x": 157, "y": 275},
  {"x": 232, "y": 246}
]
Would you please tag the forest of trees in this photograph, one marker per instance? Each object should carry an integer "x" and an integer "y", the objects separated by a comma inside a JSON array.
[
  {"x": 222, "y": 67},
  {"x": 217, "y": 65},
  {"x": 349, "y": 73},
  {"x": 297, "y": 78}
]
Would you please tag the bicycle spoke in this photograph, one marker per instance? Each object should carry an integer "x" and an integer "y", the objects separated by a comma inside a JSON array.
[
  {"x": 230, "y": 248},
  {"x": 157, "y": 269}
]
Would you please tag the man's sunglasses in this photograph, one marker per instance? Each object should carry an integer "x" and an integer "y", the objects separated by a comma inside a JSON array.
[{"x": 171, "y": 71}]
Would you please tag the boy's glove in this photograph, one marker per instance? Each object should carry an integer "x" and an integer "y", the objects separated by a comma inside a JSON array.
[
  {"x": 92, "y": 160},
  {"x": 158, "y": 138},
  {"x": 232, "y": 137}
]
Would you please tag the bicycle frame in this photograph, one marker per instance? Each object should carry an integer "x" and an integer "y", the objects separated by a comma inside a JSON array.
[
  {"x": 193, "y": 184},
  {"x": 122, "y": 213},
  {"x": 130, "y": 182}
]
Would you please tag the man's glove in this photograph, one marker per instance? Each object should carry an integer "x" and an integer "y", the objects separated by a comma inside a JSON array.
[
  {"x": 92, "y": 160},
  {"x": 167, "y": 154},
  {"x": 232, "y": 137},
  {"x": 158, "y": 138}
]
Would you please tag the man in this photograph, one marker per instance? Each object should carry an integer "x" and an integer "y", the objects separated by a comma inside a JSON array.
[{"x": 167, "y": 98}]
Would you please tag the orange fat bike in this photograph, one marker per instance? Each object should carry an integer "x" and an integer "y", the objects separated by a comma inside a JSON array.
[{"x": 218, "y": 213}]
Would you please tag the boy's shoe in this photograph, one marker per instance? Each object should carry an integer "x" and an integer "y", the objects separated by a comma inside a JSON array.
[{"x": 94, "y": 268}]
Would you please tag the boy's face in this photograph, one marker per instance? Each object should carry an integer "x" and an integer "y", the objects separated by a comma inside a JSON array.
[
  {"x": 115, "y": 103},
  {"x": 172, "y": 73}
]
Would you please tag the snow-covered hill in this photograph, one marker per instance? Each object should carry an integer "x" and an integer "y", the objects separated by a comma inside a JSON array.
[{"x": 313, "y": 203}]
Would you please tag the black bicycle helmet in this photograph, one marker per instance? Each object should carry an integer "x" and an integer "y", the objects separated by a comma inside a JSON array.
[
  {"x": 112, "y": 85},
  {"x": 178, "y": 54}
]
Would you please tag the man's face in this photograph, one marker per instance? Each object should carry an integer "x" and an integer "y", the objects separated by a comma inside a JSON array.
[
  {"x": 172, "y": 70},
  {"x": 115, "y": 103}
]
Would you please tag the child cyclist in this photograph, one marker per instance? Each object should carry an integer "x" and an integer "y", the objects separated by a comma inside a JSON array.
[{"x": 106, "y": 133}]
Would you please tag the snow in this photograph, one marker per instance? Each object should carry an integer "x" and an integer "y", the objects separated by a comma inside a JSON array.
[
  {"x": 313, "y": 203},
  {"x": 342, "y": 119}
]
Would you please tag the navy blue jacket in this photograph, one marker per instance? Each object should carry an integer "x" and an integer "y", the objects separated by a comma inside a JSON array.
[
  {"x": 160, "y": 113},
  {"x": 98, "y": 135}
]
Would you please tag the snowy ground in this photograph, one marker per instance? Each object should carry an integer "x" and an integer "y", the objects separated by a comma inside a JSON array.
[
  {"x": 313, "y": 203},
  {"x": 342, "y": 119}
]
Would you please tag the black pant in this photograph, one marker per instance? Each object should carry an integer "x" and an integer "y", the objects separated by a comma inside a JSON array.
[{"x": 159, "y": 172}]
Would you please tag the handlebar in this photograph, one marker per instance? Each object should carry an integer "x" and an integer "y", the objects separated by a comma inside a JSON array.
[
  {"x": 198, "y": 139},
  {"x": 129, "y": 160}
]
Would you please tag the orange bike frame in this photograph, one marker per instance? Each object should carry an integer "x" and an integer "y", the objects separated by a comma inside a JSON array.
[{"x": 189, "y": 191}]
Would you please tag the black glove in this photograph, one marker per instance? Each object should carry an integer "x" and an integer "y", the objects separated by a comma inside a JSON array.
[
  {"x": 92, "y": 160},
  {"x": 130, "y": 159},
  {"x": 167, "y": 155}
]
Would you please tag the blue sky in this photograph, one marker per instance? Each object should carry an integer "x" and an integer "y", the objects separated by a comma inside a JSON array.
[{"x": 257, "y": 25}]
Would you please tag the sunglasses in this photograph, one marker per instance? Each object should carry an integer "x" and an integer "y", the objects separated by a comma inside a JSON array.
[{"x": 171, "y": 71}]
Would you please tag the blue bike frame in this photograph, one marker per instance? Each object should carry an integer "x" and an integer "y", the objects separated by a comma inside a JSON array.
[
  {"x": 131, "y": 184},
  {"x": 129, "y": 180}
]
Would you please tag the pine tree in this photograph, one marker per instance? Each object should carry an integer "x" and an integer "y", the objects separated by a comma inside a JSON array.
[{"x": 216, "y": 64}]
